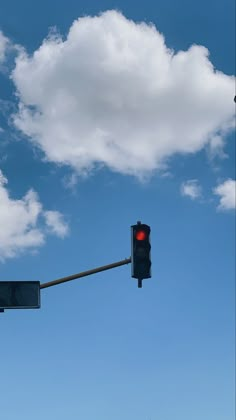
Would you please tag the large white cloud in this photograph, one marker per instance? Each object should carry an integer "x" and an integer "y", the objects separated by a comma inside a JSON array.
[
  {"x": 21, "y": 227},
  {"x": 113, "y": 94},
  {"x": 227, "y": 193}
]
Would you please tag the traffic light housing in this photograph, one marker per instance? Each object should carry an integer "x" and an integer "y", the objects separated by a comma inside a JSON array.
[
  {"x": 19, "y": 295},
  {"x": 140, "y": 252}
]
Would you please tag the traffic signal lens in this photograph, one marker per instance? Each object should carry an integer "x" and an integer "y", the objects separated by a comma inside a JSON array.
[{"x": 141, "y": 235}]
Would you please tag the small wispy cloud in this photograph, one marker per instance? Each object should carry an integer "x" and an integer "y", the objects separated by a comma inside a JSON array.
[
  {"x": 216, "y": 148},
  {"x": 55, "y": 221},
  {"x": 8, "y": 53},
  {"x": 70, "y": 181},
  {"x": 226, "y": 192},
  {"x": 191, "y": 188},
  {"x": 4, "y": 43}
]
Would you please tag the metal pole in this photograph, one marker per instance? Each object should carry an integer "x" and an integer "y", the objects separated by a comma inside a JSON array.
[
  {"x": 140, "y": 285},
  {"x": 85, "y": 273}
]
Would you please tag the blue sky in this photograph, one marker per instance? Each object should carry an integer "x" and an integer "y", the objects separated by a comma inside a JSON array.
[{"x": 105, "y": 121}]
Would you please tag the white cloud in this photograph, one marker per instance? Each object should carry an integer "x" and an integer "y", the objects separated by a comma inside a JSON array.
[
  {"x": 4, "y": 42},
  {"x": 70, "y": 181},
  {"x": 54, "y": 220},
  {"x": 3, "y": 179},
  {"x": 113, "y": 94},
  {"x": 216, "y": 148},
  {"x": 191, "y": 188},
  {"x": 21, "y": 229},
  {"x": 226, "y": 192}
]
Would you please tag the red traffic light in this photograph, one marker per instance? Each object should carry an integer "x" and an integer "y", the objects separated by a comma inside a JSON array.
[{"x": 141, "y": 235}]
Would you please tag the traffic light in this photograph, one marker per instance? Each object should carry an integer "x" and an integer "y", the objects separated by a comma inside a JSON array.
[
  {"x": 140, "y": 252},
  {"x": 19, "y": 295}
]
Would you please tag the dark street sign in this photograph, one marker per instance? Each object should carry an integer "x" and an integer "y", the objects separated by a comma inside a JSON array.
[{"x": 19, "y": 294}]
